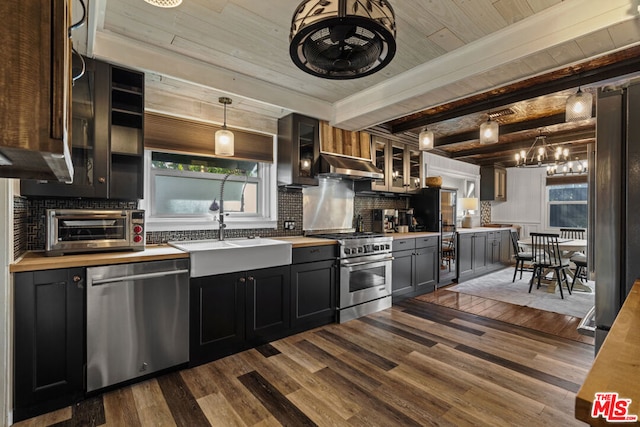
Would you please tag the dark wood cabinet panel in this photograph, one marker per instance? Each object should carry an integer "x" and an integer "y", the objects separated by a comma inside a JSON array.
[
  {"x": 426, "y": 269},
  {"x": 49, "y": 340},
  {"x": 232, "y": 312},
  {"x": 298, "y": 150},
  {"x": 107, "y": 137},
  {"x": 505, "y": 247},
  {"x": 465, "y": 255},
  {"x": 482, "y": 252},
  {"x": 493, "y": 184},
  {"x": 313, "y": 294},
  {"x": 402, "y": 273},
  {"x": 268, "y": 304}
]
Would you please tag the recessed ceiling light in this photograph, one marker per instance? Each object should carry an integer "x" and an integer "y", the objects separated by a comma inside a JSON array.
[{"x": 164, "y": 3}]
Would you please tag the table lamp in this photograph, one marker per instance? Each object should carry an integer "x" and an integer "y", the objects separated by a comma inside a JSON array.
[{"x": 468, "y": 204}]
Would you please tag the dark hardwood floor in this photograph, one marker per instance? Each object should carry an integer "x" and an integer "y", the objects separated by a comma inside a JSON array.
[{"x": 419, "y": 363}]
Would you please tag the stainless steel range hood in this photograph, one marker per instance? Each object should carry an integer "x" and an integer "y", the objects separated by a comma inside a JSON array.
[{"x": 348, "y": 167}]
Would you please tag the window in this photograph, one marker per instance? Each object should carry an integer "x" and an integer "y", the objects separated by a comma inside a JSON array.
[
  {"x": 182, "y": 189},
  {"x": 567, "y": 205}
]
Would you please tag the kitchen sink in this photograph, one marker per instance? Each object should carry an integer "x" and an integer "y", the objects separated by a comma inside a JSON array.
[{"x": 210, "y": 257}]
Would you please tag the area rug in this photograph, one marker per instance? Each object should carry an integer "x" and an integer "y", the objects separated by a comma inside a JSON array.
[{"x": 498, "y": 286}]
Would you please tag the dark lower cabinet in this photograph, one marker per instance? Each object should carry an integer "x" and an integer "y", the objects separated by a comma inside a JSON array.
[
  {"x": 235, "y": 311},
  {"x": 482, "y": 252},
  {"x": 313, "y": 294},
  {"x": 415, "y": 266},
  {"x": 49, "y": 340}
]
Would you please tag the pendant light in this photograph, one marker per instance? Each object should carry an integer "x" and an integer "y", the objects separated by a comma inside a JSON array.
[
  {"x": 425, "y": 140},
  {"x": 489, "y": 132},
  {"x": 164, "y": 3},
  {"x": 224, "y": 137},
  {"x": 578, "y": 106}
]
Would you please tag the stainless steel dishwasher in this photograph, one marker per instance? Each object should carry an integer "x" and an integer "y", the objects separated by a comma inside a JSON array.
[{"x": 137, "y": 320}]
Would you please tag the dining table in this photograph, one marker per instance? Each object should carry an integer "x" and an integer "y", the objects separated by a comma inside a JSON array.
[{"x": 568, "y": 247}]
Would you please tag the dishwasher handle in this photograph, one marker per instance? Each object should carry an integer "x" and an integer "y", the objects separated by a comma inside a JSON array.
[{"x": 139, "y": 277}]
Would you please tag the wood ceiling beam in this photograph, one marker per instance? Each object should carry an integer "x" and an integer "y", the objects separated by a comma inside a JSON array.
[{"x": 593, "y": 71}]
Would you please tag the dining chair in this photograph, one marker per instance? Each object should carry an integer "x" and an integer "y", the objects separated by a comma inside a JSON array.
[
  {"x": 448, "y": 246},
  {"x": 580, "y": 260},
  {"x": 547, "y": 256},
  {"x": 521, "y": 256},
  {"x": 572, "y": 233}
]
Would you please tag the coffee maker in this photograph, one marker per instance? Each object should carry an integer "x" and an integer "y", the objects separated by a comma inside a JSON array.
[
  {"x": 406, "y": 218},
  {"x": 384, "y": 220}
]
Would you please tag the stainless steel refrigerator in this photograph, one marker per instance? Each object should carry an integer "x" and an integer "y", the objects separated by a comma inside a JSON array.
[
  {"x": 435, "y": 210},
  {"x": 614, "y": 244}
]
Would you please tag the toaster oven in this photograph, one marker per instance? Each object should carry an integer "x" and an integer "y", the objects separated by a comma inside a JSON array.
[{"x": 71, "y": 231}]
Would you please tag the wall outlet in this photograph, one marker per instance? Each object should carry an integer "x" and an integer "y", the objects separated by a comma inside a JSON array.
[{"x": 289, "y": 225}]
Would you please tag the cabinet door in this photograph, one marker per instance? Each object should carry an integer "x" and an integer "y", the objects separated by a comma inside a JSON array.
[
  {"x": 217, "y": 314},
  {"x": 313, "y": 294},
  {"x": 402, "y": 273},
  {"x": 426, "y": 269},
  {"x": 49, "y": 340},
  {"x": 381, "y": 159},
  {"x": 414, "y": 170},
  {"x": 398, "y": 170},
  {"x": 268, "y": 304},
  {"x": 298, "y": 150},
  {"x": 500, "y": 182},
  {"x": 465, "y": 254},
  {"x": 479, "y": 252}
]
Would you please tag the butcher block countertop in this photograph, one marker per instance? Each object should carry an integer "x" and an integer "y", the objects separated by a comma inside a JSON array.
[
  {"x": 413, "y": 234},
  {"x": 37, "y": 260},
  {"x": 303, "y": 242},
  {"x": 617, "y": 365},
  {"x": 33, "y": 261}
]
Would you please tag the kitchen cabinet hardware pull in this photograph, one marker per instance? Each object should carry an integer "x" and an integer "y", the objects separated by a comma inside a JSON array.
[
  {"x": 242, "y": 280},
  {"x": 102, "y": 180},
  {"x": 139, "y": 276},
  {"x": 250, "y": 278},
  {"x": 77, "y": 278}
]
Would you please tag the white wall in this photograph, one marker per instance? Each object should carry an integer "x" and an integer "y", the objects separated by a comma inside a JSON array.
[{"x": 526, "y": 200}]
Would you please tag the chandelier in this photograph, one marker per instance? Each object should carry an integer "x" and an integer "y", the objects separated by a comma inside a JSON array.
[{"x": 555, "y": 159}]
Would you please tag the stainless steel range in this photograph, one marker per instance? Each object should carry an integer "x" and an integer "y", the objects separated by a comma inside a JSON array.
[{"x": 365, "y": 273}]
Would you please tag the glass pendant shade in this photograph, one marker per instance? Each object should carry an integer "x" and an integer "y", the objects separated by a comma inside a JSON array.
[
  {"x": 489, "y": 132},
  {"x": 578, "y": 106},
  {"x": 224, "y": 142},
  {"x": 164, "y": 3},
  {"x": 425, "y": 140},
  {"x": 224, "y": 137}
]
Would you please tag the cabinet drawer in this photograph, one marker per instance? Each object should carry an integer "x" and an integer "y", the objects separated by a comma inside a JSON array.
[
  {"x": 426, "y": 242},
  {"x": 403, "y": 244},
  {"x": 313, "y": 253}
]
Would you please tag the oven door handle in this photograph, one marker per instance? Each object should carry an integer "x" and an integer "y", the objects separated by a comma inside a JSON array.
[{"x": 356, "y": 264}]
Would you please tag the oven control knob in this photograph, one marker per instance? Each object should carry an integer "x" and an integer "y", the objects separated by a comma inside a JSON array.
[
  {"x": 347, "y": 251},
  {"x": 137, "y": 238},
  {"x": 137, "y": 229}
]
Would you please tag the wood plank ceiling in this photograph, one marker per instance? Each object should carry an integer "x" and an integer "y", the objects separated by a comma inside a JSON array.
[{"x": 448, "y": 51}]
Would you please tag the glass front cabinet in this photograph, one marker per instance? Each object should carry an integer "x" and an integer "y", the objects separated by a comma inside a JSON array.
[{"x": 401, "y": 165}]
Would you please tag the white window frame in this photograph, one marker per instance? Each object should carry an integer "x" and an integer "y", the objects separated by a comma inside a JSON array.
[
  {"x": 549, "y": 203},
  {"x": 267, "y": 204}
]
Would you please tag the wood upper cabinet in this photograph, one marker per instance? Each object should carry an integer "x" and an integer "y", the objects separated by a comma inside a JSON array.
[
  {"x": 107, "y": 138},
  {"x": 344, "y": 142},
  {"x": 298, "y": 150},
  {"x": 493, "y": 184},
  {"x": 401, "y": 165},
  {"x": 35, "y": 89}
]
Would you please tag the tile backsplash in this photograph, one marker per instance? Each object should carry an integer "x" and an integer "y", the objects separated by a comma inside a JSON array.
[{"x": 29, "y": 215}]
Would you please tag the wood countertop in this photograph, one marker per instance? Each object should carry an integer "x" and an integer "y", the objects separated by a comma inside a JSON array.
[
  {"x": 37, "y": 260},
  {"x": 413, "y": 234},
  {"x": 617, "y": 365},
  {"x": 303, "y": 242},
  {"x": 33, "y": 261}
]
